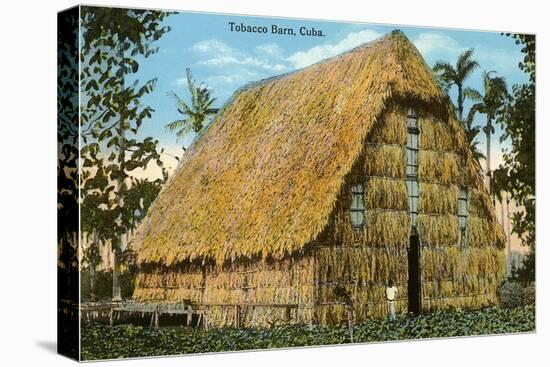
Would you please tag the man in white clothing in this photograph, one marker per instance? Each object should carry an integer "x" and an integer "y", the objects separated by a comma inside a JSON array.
[{"x": 391, "y": 294}]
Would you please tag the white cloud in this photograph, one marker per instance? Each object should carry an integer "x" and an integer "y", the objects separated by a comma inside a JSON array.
[
  {"x": 245, "y": 60},
  {"x": 212, "y": 46},
  {"x": 267, "y": 59},
  {"x": 270, "y": 49},
  {"x": 435, "y": 45},
  {"x": 234, "y": 78},
  {"x": 223, "y": 79},
  {"x": 318, "y": 53},
  {"x": 503, "y": 60},
  {"x": 222, "y": 55},
  {"x": 220, "y": 61},
  {"x": 428, "y": 43}
]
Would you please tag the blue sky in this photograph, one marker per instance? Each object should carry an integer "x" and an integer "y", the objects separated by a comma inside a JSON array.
[{"x": 226, "y": 60}]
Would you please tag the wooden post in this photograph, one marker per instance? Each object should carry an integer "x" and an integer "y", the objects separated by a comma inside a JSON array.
[
  {"x": 152, "y": 322},
  {"x": 237, "y": 316},
  {"x": 156, "y": 319},
  {"x": 199, "y": 319},
  {"x": 350, "y": 322},
  {"x": 111, "y": 321},
  {"x": 287, "y": 314}
]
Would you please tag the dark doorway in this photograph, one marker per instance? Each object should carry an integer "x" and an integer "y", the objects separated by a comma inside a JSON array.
[{"x": 414, "y": 285}]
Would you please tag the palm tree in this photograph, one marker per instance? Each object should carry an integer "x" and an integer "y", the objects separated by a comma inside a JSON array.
[
  {"x": 471, "y": 134},
  {"x": 195, "y": 114},
  {"x": 448, "y": 75},
  {"x": 494, "y": 97}
]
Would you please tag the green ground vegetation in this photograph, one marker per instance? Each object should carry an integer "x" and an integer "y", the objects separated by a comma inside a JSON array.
[{"x": 100, "y": 341}]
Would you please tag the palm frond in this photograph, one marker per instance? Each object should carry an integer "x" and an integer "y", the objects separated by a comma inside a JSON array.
[
  {"x": 443, "y": 67},
  {"x": 185, "y": 109},
  {"x": 445, "y": 71},
  {"x": 184, "y": 131},
  {"x": 472, "y": 94},
  {"x": 476, "y": 108},
  {"x": 465, "y": 65},
  {"x": 442, "y": 83},
  {"x": 177, "y": 125},
  {"x": 197, "y": 112},
  {"x": 175, "y": 96}
]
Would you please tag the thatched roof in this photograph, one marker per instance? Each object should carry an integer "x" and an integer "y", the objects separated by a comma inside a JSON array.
[{"x": 264, "y": 178}]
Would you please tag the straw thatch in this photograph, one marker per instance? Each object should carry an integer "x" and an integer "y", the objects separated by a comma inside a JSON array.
[
  {"x": 263, "y": 180},
  {"x": 257, "y": 214},
  {"x": 260, "y": 289}
]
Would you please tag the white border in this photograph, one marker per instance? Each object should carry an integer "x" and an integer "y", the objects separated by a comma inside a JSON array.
[{"x": 28, "y": 154}]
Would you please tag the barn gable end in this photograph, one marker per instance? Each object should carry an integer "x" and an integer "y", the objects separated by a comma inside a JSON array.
[{"x": 453, "y": 274}]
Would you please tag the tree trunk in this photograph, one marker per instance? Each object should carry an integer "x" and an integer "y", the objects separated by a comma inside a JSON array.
[
  {"x": 92, "y": 266},
  {"x": 502, "y": 209},
  {"x": 460, "y": 103},
  {"x": 117, "y": 243},
  {"x": 116, "y": 272},
  {"x": 488, "y": 159},
  {"x": 501, "y": 201},
  {"x": 508, "y": 237},
  {"x": 92, "y": 282}
]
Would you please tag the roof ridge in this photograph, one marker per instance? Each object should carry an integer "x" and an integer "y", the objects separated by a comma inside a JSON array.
[{"x": 256, "y": 83}]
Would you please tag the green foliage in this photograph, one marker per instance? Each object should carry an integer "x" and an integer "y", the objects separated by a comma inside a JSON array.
[
  {"x": 103, "y": 285},
  {"x": 511, "y": 294},
  {"x": 139, "y": 197},
  {"x": 114, "y": 41},
  {"x": 123, "y": 341},
  {"x": 517, "y": 173},
  {"x": 195, "y": 116},
  {"x": 528, "y": 42},
  {"x": 490, "y": 103},
  {"x": 495, "y": 93},
  {"x": 448, "y": 75},
  {"x": 526, "y": 271},
  {"x": 530, "y": 294},
  {"x": 112, "y": 114}
]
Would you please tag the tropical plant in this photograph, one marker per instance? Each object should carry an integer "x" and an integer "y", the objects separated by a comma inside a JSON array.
[
  {"x": 139, "y": 197},
  {"x": 98, "y": 219},
  {"x": 516, "y": 174},
  {"x": 448, "y": 75},
  {"x": 471, "y": 135},
  {"x": 490, "y": 103},
  {"x": 113, "y": 41},
  {"x": 511, "y": 294},
  {"x": 195, "y": 115}
]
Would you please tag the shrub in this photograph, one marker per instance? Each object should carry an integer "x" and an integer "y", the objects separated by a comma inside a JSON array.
[
  {"x": 511, "y": 294},
  {"x": 529, "y": 294}
]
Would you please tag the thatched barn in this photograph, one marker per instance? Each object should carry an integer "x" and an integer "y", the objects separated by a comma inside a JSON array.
[{"x": 326, "y": 181}]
